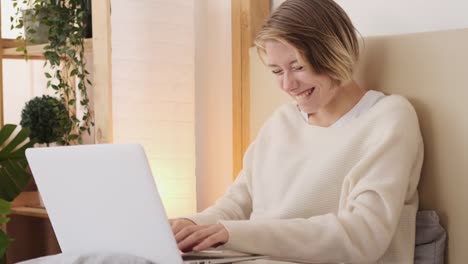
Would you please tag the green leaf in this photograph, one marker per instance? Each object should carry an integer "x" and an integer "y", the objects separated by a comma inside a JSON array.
[
  {"x": 13, "y": 164},
  {"x": 4, "y": 220},
  {"x": 71, "y": 53},
  {"x": 4, "y": 210},
  {"x": 4, "y": 243},
  {"x": 84, "y": 102},
  {"x": 73, "y": 137},
  {"x": 4, "y": 207}
]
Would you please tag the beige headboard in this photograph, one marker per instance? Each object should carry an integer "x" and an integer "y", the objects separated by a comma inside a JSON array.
[{"x": 431, "y": 70}]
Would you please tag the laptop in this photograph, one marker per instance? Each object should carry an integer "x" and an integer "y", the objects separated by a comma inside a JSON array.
[{"x": 103, "y": 198}]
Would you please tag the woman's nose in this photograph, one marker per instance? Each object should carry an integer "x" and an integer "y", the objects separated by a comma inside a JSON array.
[{"x": 288, "y": 82}]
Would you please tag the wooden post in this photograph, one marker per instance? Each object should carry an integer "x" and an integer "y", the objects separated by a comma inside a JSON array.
[
  {"x": 102, "y": 59},
  {"x": 247, "y": 19}
]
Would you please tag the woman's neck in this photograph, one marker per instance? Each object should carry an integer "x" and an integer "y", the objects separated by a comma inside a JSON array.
[{"x": 347, "y": 97}]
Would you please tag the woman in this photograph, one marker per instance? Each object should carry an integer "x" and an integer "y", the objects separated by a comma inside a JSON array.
[{"x": 330, "y": 178}]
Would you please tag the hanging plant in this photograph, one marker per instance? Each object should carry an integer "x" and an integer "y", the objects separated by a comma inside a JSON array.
[{"x": 64, "y": 54}]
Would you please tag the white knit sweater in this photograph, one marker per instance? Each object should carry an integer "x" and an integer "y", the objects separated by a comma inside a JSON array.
[{"x": 328, "y": 195}]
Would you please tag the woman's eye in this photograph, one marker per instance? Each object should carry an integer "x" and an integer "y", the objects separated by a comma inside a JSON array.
[
  {"x": 298, "y": 68},
  {"x": 276, "y": 72}
]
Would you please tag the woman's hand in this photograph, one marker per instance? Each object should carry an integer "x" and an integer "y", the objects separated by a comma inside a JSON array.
[
  {"x": 179, "y": 223},
  {"x": 201, "y": 237}
]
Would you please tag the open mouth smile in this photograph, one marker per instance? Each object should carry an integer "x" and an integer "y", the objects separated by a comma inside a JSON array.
[{"x": 305, "y": 94}]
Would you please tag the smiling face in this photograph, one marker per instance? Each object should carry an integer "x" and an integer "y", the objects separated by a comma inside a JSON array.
[{"x": 313, "y": 92}]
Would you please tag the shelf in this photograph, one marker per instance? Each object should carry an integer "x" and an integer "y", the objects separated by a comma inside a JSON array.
[
  {"x": 30, "y": 211},
  {"x": 27, "y": 199},
  {"x": 28, "y": 204},
  {"x": 10, "y": 43},
  {"x": 35, "y": 51}
]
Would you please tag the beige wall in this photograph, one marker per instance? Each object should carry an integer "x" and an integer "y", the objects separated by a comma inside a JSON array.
[
  {"x": 382, "y": 17},
  {"x": 153, "y": 91},
  {"x": 213, "y": 82}
]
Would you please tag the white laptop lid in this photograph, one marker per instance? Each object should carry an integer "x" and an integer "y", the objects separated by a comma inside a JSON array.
[{"x": 98, "y": 198}]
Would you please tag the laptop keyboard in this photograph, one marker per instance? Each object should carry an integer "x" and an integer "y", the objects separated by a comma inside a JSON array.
[{"x": 201, "y": 257}]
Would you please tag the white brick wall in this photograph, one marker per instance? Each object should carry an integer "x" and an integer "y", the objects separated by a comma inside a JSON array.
[
  {"x": 153, "y": 91},
  {"x": 213, "y": 82}
]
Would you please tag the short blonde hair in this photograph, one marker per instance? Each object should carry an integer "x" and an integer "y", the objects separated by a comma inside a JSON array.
[{"x": 321, "y": 32}]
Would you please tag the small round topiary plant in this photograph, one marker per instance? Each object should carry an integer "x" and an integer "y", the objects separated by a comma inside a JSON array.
[{"x": 47, "y": 118}]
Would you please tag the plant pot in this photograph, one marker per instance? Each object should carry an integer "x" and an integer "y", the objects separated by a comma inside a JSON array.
[{"x": 34, "y": 31}]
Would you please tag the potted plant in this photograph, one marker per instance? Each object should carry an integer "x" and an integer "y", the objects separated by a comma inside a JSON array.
[
  {"x": 64, "y": 53},
  {"x": 14, "y": 173},
  {"x": 47, "y": 119}
]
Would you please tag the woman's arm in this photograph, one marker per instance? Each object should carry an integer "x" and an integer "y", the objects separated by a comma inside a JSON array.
[{"x": 235, "y": 204}]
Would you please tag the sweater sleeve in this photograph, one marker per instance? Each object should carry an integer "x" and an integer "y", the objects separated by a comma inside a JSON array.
[
  {"x": 236, "y": 203},
  {"x": 368, "y": 216}
]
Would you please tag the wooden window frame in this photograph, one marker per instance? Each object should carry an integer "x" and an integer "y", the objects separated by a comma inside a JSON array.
[{"x": 248, "y": 17}]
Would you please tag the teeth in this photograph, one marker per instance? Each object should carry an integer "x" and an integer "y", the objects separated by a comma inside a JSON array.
[{"x": 304, "y": 94}]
